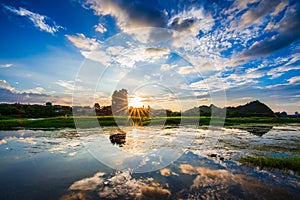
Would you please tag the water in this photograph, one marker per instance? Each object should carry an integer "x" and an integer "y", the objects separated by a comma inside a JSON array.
[{"x": 176, "y": 163}]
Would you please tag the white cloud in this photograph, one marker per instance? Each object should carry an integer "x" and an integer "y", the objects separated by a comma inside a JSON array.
[
  {"x": 295, "y": 58},
  {"x": 186, "y": 70},
  {"x": 128, "y": 57},
  {"x": 100, "y": 28},
  {"x": 6, "y": 65},
  {"x": 237, "y": 80},
  {"x": 191, "y": 21},
  {"x": 89, "y": 48},
  {"x": 39, "y": 21},
  {"x": 247, "y": 20},
  {"x": 82, "y": 42},
  {"x": 287, "y": 29},
  {"x": 5, "y": 85},
  {"x": 239, "y": 6},
  {"x": 291, "y": 81},
  {"x": 201, "y": 94},
  {"x": 37, "y": 90},
  {"x": 271, "y": 26},
  {"x": 284, "y": 67},
  {"x": 219, "y": 81},
  {"x": 277, "y": 72},
  {"x": 69, "y": 85},
  {"x": 106, "y": 8},
  {"x": 98, "y": 56},
  {"x": 200, "y": 85},
  {"x": 34, "y": 95},
  {"x": 280, "y": 7},
  {"x": 294, "y": 80},
  {"x": 253, "y": 15},
  {"x": 165, "y": 67}
]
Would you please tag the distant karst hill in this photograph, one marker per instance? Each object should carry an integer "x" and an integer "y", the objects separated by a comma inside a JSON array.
[{"x": 254, "y": 108}]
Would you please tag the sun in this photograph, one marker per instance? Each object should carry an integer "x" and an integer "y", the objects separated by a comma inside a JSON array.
[{"x": 135, "y": 102}]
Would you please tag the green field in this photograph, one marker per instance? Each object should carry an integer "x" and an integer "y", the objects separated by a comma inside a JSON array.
[{"x": 89, "y": 121}]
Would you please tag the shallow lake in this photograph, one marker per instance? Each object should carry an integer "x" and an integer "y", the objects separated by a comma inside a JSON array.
[{"x": 146, "y": 163}]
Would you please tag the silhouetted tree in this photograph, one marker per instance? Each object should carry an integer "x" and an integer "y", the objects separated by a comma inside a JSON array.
[
  {"x": 119, "y": 102},
  {"x": 97, "y": 106}
]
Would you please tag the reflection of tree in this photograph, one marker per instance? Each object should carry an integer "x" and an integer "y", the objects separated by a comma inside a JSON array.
[
  {"x": 139, "y": 115},
  {"x": 257, "y": 130},
  {"x": 119, "y": 103},
  {"x": 118, "y": 139}
]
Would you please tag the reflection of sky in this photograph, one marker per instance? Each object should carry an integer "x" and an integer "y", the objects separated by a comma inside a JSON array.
[
  {"x": 200, "y": 180},
  {"x": 55, "y": 163},
  {"x": 145, "y": 149}
]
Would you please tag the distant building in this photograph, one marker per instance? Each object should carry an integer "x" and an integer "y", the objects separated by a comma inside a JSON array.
[{"x": 119, "y": 102}]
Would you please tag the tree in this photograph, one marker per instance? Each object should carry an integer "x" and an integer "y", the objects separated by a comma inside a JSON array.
[
  {"x": 97, "y": 106},
  {"x": 119, "y": 102}
]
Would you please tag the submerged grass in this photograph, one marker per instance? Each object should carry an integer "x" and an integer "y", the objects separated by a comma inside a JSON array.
[{"x": 281, "y": 163}]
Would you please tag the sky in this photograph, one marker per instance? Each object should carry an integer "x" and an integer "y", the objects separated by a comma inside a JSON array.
[{"x": 171, "y": 54}]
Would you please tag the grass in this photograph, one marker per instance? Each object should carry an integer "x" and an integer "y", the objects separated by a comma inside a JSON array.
[
  {"x": 87, "y": 122},
  {"x": 281, "y": 163},
  {"x": 55, "y": 122}
]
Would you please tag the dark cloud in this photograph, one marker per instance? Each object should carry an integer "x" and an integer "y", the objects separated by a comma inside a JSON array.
[
  {"x": 12, "y": 97},
  {"x": 181, "y": 25},
  {"x": 258, "y": 11},
  {"x": 130, "y": 14},
  {"x": 157, "y": 50},
  {"x": 140, "y": 13},
  {"x": 288, "y": 32}
]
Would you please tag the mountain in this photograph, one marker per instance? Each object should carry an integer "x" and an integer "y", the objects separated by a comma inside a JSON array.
[{"x": 254, "y": 108}]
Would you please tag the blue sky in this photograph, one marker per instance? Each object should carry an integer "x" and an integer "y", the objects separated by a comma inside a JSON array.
[{"x": 197, "y": 52}]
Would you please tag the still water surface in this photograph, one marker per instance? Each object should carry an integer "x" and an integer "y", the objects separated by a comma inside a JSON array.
[{"x": 61, "y": 164}]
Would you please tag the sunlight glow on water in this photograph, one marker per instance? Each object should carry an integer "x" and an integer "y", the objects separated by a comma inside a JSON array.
[{"x": 142, "y": 150}]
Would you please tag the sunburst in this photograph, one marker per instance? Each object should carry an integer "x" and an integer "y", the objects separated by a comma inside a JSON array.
[
  {"x": 135, "y": 102},
  {"x": 137, "y": 111}
]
